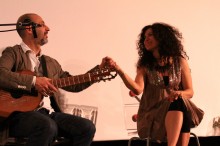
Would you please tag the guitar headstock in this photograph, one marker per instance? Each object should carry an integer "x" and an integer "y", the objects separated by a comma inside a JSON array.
[{"x": 103, "y": 74}]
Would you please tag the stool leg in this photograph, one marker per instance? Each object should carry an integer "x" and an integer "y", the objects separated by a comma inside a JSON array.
[
  {"x": 130, "y": 140},
  {"x": 197, "y": 139},
  {"x": 148, "y": 142},
  {"x": 138, "y": 138}
]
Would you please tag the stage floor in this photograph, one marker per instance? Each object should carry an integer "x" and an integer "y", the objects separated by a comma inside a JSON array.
[{"x": 204, "y": 141}]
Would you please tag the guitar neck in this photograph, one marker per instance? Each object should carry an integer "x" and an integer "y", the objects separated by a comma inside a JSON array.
[
  {"x": 72, "y": 80},
  {"x": 95, "y": 76}
]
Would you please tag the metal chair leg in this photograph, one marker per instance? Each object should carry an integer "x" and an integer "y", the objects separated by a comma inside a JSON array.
[
  {"x": 148, "y": 141},
  {"x": 197, "y": 139},
  {"x": 138, "y": 138},
  {"x": 130, "y": 140}
]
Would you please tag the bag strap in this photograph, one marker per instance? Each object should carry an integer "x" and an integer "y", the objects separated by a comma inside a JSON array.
[
  {"x": 53, "y": 103},
  {"x": 44, "y": 66}
]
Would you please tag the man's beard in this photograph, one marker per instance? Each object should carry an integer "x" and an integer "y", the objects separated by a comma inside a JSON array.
[{"x": 43, "y": 41}]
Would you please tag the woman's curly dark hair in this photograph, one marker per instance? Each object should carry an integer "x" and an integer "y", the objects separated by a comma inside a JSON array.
[{"x": 169, "y": 40}]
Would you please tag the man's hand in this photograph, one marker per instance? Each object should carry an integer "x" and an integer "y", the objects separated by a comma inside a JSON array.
[{"x": 44, "y": 86}]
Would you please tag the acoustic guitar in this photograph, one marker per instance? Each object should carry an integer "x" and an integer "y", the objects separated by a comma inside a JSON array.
[{"x": 23, "y": 101}]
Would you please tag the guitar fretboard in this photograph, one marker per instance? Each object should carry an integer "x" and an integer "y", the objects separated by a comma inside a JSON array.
[{"x": 72, "y": 80}]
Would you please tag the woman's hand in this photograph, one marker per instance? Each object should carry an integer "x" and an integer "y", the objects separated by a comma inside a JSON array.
[
  {"x": 173, "y": 95},
  {"x": 107, "y": 61},
  {"x": 136, "y": 85}
]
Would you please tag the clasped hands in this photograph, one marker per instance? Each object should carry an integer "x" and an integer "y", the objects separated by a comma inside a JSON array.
[
  {"x": 107, "y": 61},
  {"x": 173, "y": 95}
]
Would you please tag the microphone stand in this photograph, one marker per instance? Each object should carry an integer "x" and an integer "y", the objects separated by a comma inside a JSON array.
[
  {"x": 9, "y": 24},
  {"x": 31, "y": 24}
]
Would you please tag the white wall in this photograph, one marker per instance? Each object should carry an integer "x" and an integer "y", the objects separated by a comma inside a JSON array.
[{"x": 83, "y": 32}]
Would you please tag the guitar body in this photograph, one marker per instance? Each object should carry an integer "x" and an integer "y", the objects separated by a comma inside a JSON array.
[
  {"x": 10, "y": 102},
  {"x": 23, "y": 101}
]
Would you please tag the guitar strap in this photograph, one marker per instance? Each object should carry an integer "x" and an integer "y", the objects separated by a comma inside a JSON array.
[{"x": 53, "y": 103}]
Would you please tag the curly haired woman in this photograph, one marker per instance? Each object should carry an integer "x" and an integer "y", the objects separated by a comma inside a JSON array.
[{"x": 164, "y": 79}]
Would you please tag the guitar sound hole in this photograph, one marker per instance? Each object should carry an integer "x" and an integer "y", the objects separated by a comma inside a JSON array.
[{"x": 16, "y": 94}]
